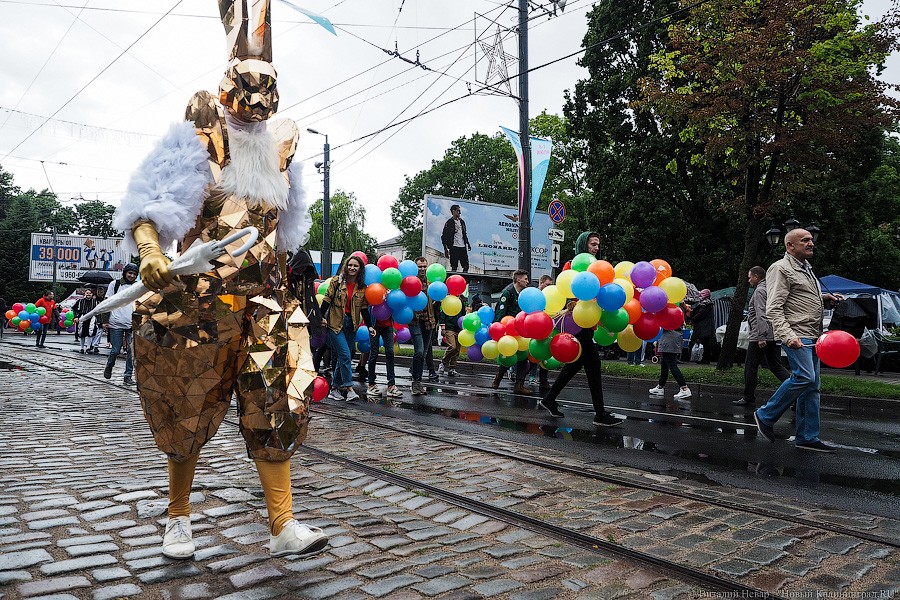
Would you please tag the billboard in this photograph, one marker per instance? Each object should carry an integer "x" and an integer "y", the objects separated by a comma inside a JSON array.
[
  {"x": 493, "y": 233},
  {"x": 75, "y": 254}
]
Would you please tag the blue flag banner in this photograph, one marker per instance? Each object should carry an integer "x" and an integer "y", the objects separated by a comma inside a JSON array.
[{"x": 540, "y": 162}]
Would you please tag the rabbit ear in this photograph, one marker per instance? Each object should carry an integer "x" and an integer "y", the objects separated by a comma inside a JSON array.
[
  {"x": 261, "y": 35},
  {"x": 234, "y": 18}
]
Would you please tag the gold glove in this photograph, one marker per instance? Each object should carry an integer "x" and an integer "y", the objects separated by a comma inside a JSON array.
[{"x": 154, "y": 264}]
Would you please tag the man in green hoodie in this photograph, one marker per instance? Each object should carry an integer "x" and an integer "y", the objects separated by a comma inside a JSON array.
[{"x": 587, "y": 241}]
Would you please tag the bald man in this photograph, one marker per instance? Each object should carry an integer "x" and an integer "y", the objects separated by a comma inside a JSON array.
[{"x": 795, "y": 307}]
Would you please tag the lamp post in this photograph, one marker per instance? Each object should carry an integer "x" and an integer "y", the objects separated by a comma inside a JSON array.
[
  {"x": 774, "y": 234},
  {"x": 326, "y": 209}
]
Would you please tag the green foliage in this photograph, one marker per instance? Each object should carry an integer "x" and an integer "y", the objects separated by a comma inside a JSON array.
[
  {"x": 348, "y": 221},
  {"x": 95, "y": 218}
]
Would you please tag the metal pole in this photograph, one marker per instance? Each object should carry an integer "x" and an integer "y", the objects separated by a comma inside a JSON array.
[
  {"x": 53, "y": 287},
  {"x": 326, "y": 215},
  {"x": 525, "y": 140}
]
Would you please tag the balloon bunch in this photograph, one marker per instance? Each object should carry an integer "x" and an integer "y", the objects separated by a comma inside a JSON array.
[
  {"x": 476, "y": 335},
  {"x": 67, "y": 320},
  {"x": 26, "y": 317}
]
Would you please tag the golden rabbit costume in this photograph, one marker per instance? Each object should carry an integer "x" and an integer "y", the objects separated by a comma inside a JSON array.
[{"x": 235, "y": 329}]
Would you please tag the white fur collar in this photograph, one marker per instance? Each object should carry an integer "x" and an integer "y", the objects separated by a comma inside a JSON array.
[{"x": 253, "y": 173}]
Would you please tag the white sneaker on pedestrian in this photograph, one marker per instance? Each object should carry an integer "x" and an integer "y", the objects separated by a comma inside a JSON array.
[
  {"x": 177, "y": 541},
  {"x": 684, "y": 392},
  {"x": 351, "y": 395},
  {"x": 394, "y": 392},
  {"x": 441, "y": 369},
  {"x": 297, "y": 538},
  {"x": 374, "y": 390},
  {"x": 335, "y": 395},
  {"x": 658, "y": 391}
]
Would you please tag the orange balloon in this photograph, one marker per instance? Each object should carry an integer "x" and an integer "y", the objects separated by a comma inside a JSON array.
[
  {"x": 603, "y": 270},
  {"x": 663, "y": 270},
  {"x": 375, "y": 294},
  {"x": 507, "y": 319},
  {"x": 633, "y": 308}
]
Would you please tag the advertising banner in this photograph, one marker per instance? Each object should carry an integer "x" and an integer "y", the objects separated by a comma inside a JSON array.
[
  {"x": 540, "y": 163},
  {"x": 75, "y": 254},
  {"x": 492, "y": 231}
]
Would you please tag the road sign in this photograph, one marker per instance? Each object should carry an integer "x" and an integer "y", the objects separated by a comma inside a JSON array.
[
  {"x": 554, "y": 255},
  {"x": 557, "y": 211},
  {"x": 556, "y": 235}
]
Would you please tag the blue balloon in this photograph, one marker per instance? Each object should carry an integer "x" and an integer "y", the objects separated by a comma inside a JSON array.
[
  {"x": 33, "y": 317},
  {"x": 364, "y": 346},
  {"x": 403, "y": 315},
  {"x": 611, "y": 297},
  {"x": 23, "y": 314},
  {"x": 35, "y": 325},
  {"x": 585, "y": 286},
  {"x": 532, "y": 300},
  {"x": 408, "y": 268},
  {"x": 486, "y": 314},
  {"x": 418, "y": 302},
  {"x": 482, "y": 335},
  {"x": 372, "y": 275},
  {"x": 396, "y": 300},
  {"x": 362, "y": 333},
  {"x": 437, "y": 290},
  {"x": 658, "y": 335}
]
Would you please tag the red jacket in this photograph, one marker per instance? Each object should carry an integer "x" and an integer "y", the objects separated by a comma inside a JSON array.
[{"x": 50, "y": 305}]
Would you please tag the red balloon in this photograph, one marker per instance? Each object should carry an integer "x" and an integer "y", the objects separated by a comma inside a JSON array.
[
  {"x": 18, "y": 307},
  {"x": 511, "y": 328},
  {"x": 411, "y": 285},
  {"x": 647, "y": 327},
  {"x": 497, "y": 331},
  {"x": 565, "y": 348},
  {"x": 320, "y": 389},
  {"x": 670, "y": 318},
  {"x": 387, "y": 262},
  {"x": 837, "y": 349},
  {"x": 44, "y": 320},
  {"x": 361, "y": 256},
  {"x": 520, "y": 324},
  {"x": 456, "y": 284},
  {"x": 538, "y": 325}
]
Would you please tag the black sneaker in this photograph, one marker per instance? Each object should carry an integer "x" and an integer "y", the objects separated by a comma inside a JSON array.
[
  {"x": 606, "y": 420},
  {"x": 554, "y": 410},
  {"x": 107, "y": 371},
  {"x": 128, "y": 381},
  {"x": 816, "y": 446},
  {"x": 433, "y": 376},
  {"x": 766, "y": 430}
]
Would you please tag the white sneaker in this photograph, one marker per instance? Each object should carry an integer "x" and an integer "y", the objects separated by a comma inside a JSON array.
[
  {"x": 684, "y": 392},
  {"x": 441, "y": 369},
  {"x": 335, "y": 395},
  {"x": 177, "y": 541},
  {"x": 297, "y": 538},
  {"x": 351, "y": 395},
  {"x": 374, "y": 390},
  {"x": 658, "y": 391},
  {"x": 394, "y": 392}
]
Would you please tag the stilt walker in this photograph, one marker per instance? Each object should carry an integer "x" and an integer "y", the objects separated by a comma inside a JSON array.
[{"x": 236, "y": 329}]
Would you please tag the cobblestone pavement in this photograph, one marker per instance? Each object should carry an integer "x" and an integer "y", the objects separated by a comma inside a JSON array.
[{"x": 82, "y": 509}]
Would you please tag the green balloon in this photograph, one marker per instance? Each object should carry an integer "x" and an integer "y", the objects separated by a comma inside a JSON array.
[
  {"x": 41, "y": 311},
  {"x": 471, "y": 321},
  {"x": 582, "y": 262},
  {"x": 30, "y": 308},
  {"x": 551, "y": 364},
  {"x": 15, "y": 321},
  {"x": 507, "y": 361},
  {"x": 540, "y": 349},
  {"x": 70, "y": 315},
  {"x": 521, "y": 355},
  {"x": 604, "y": 337},
  {"x": 435, "y": 272},
  {"x": 391, "y": 278},
  {"x": 614, "y": 320}
]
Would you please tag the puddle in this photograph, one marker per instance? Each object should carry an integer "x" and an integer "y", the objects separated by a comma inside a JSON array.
[{"x": 8, "y": 366}]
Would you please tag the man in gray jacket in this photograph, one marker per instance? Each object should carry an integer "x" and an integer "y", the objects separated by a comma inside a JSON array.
[
  {"x": 119, "y": 325},
  {"x": 761, "y": 340},
  {"x": 795, "y": 308}
]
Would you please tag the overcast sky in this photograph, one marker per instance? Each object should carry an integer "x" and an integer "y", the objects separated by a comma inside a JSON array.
[{"x": 113, "y": 75}]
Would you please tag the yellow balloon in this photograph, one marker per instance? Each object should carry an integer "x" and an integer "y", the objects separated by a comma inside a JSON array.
[
  {"x": 628, "y": 341},
  {"x": 451, "y": 306},
  {"x": 586, "y": 313},
  {"x": 523, "y": 342},
  {"x": 489, "y": 350},
  {"x": 564, "y": 283},
  {"x": 623, "y": 269},
  {"x": 466, "y": 338},
  {"x": 320, "y": 299},
  {"x": 674, "y": 288},
  {"x": 555, "y": 300},
  {"x": 627, "y": 286},
  {"x": 507, "y": 345}
]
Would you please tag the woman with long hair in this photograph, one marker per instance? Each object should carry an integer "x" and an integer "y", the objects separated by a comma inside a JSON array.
[{"x": 343, "y": 308}]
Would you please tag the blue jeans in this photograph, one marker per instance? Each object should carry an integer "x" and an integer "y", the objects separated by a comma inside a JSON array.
[
  {"x": 340, "y": 345},
  {"x": 801, "y": 388},
  {"x": 417, "y": 332},
  {"x": 386, "y": 336},
  {"x": 117, "y": 338}
]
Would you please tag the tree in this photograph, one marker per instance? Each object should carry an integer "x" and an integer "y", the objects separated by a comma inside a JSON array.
[
  {"x": 348, "y": 221},
  {"x": 95, "y": 218},
  {"x": 772, "y": 92}
]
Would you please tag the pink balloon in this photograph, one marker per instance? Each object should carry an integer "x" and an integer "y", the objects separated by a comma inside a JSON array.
[{"x": 387, "y": 262}]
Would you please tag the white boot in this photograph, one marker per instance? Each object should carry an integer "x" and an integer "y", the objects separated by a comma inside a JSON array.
[
  {"x": 177, "y": 541},
  {"x": 297, "y": 538}
]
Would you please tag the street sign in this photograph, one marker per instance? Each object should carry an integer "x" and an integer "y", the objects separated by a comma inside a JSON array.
[
  {"x": 554, "y": 255},
  {"x": 556, "y": 235},
  {"x": 557, "y": 211}
]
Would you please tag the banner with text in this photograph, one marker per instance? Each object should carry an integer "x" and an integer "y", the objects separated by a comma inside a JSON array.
[{"x": 75, "y": 254}]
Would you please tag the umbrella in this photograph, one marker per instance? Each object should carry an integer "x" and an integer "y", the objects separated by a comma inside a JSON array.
[{"x": 97, "y": 277}]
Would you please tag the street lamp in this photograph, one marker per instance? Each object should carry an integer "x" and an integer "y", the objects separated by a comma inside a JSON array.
[
  {"x": 773, "y": 235},
  {"x": 326, "y": 208}
]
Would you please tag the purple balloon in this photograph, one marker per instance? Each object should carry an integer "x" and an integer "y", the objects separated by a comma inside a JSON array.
[
  {"x": 568, "y": 325},
  {"x": 70, "y": 329},
  {"x": 459, "y": 322},
  {"x": 403, "y": 335},
  {"x": 654, "y": 299},
  {"x": 381, "y": 312},
  {"x": 643, "y": 274},
  {"x": 474, "y": 353},
  {"x": 317, "y": 341}
]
